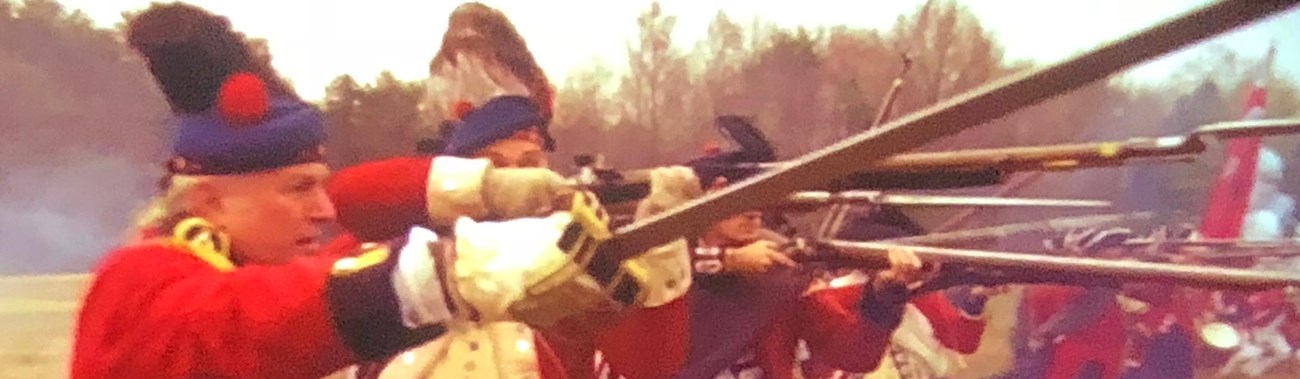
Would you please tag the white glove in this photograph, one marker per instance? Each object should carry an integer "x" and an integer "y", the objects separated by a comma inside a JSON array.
[
  {"x": 669, "y": 187},
  {"x": 416, "y": 282},
  {"x": 496, "y": 260},
  {"x": 522, "y": 192}
]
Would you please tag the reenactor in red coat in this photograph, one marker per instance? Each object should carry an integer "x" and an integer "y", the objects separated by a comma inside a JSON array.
[
  {"x": 1074, "y": 332},
  {"x": 229, "y": 275}
]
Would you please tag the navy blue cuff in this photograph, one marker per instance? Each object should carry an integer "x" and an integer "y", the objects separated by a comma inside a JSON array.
[
  {"x": 969, "y": 303},
  {"x": 366, "y": 310},
  {"x": 882, "y": 303}
]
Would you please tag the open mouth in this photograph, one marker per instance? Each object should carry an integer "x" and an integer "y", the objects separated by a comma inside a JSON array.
[{"x": 307, "y": 243}]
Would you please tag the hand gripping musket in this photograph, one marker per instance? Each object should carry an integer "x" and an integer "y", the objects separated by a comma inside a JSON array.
[{"x": 947, "y": 118}]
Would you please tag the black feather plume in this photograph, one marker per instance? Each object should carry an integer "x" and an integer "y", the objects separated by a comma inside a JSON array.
[{"x": 191, "y": 52}]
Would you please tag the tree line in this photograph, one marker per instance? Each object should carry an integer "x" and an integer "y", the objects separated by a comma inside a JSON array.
[{"x": 85, "y": 129}]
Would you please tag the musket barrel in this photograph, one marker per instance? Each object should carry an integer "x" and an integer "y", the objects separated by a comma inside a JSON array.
[
  {"x": 1225, "y": 243},
  {"x": 1071, "y": 269},
  {"x": 877, "y": 197},
  {"x": 1078, "y": 155},
  {"x": 993, "y": 232},
  {"x": 1033, "y": 158},
  {"x": 1037, "y": 157}
]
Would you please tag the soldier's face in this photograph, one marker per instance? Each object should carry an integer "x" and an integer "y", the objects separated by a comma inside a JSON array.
[
  {"x": 741, "y": 228},
  {"x": 524, "y": 149},
  {"x": 273, "y": 216}
]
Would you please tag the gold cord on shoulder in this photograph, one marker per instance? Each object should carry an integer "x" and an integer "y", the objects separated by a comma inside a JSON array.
[{"x": 204, "y": 241}]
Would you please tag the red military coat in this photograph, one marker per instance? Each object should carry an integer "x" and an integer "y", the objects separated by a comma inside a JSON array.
[
  {"x": 1098, "y": 336},
  {"x": 654, "y": 343},
  {"x": 154, "y": 310}
]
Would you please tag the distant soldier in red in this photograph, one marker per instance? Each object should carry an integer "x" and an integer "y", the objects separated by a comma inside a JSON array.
[
  {"x": 936, "y": 328},
  {"x": 1074, "y": 332},
  {"x": 1163, "y": 324}
]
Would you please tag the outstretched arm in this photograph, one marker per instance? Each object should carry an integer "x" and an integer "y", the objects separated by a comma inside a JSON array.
[{"x": 380, "y": 200}]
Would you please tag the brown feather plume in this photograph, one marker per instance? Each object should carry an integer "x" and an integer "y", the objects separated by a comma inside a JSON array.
[
  {"x": 477, "y": 30},
  {"x": 191, "y": 52}
]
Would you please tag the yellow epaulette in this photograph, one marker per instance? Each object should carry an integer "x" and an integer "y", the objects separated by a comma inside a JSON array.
[{"x": 202, "y": 240}]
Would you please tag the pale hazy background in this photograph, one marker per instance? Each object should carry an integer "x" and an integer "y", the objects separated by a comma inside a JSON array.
[{"x": 314, "y": 41}]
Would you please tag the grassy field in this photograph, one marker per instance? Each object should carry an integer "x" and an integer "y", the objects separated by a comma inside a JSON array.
[{"x": 36, "y": 318}]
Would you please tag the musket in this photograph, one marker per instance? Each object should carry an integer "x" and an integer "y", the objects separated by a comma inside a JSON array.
[
  {"x": 961, "y": 217},
  {"x": 882, "y": 198},
  {"x": 946, "y": 118},
  {"x": 1074, "y": 156},
  {"x": 856, "y": 197},
  {"x": 996, "y": 267},
  {"x": 887, "y": 106},
  {"x": 992, "y": 233},
  {"x": 1217, "y": 243},
  {"x": 621, "y": 209},
  {"x": 1217, "y": 249},
  {"x": 982, "y": 167}
]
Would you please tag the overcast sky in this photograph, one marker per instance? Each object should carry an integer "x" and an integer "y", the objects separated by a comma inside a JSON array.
[{"x": 314, "y": 41}]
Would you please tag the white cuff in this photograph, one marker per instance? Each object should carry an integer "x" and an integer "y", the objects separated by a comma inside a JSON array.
[
  {"x": 455, "y": 189},
  {"x": 415, "y": 279},
  {"x": 668, "y": 272},
  {"x": 708, "y": 260}
]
